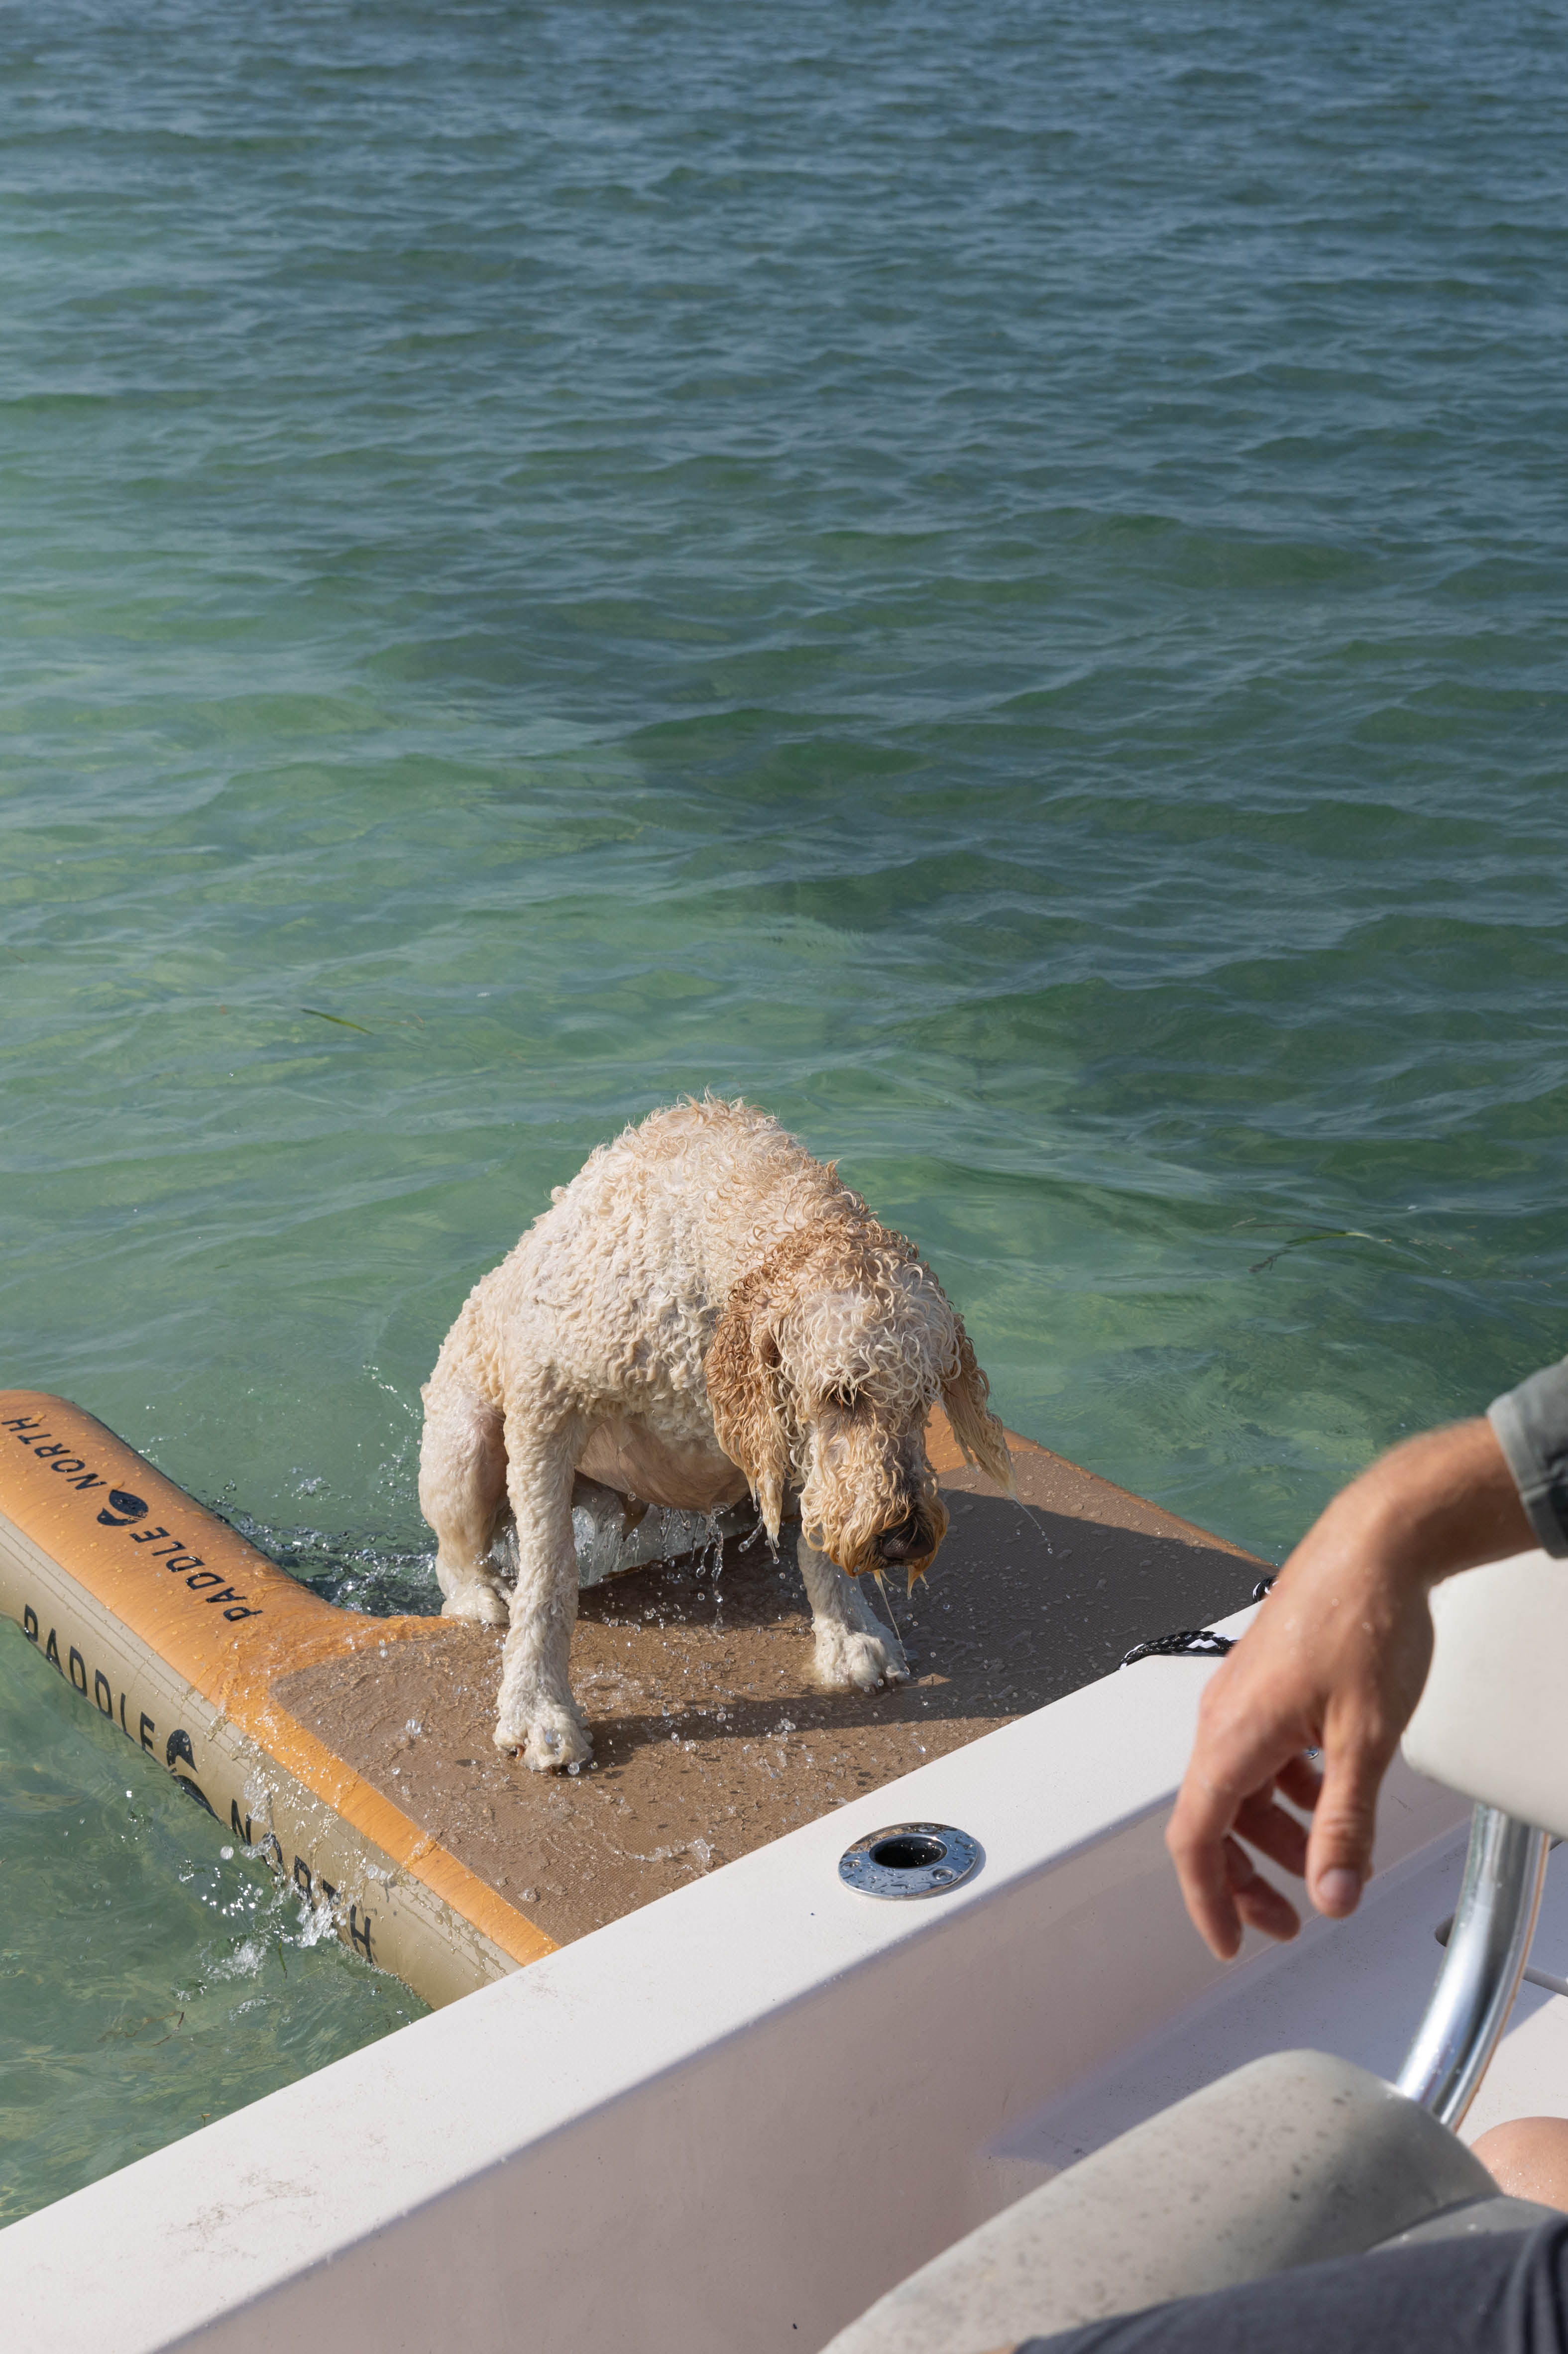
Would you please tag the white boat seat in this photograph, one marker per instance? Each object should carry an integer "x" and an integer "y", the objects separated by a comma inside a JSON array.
[
  {"x": 1491, "y": 1721},
  {"x": 1300, "y": 2157}
]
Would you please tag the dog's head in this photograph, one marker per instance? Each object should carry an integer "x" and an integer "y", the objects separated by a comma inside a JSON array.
[{"x": 826, "y": 1362}]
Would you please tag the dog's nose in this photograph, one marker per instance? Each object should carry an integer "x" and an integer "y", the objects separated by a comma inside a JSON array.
[{"x": 898, "y": 1544}]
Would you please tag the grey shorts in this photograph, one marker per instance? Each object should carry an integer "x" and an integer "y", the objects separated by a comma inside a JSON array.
[{"x": 1496, "y": 2293}]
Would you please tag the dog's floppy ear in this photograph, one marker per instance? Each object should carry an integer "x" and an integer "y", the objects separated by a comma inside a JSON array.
[
  {"x": 745, "y": 1393},
  {"x": 975, "y": 1426}
]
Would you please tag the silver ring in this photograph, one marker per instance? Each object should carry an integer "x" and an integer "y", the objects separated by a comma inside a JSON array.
[{"x": 910, "y": 1860}]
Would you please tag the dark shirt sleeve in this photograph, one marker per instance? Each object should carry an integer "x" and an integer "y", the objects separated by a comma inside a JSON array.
[{"x": 1531, "y": 1425}]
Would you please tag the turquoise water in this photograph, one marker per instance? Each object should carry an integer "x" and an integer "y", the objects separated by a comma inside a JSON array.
[{"x": 991, "y": 579}]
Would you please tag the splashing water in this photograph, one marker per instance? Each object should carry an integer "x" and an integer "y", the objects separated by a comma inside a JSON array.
[
  {"x": 881, "y": 1589},
  {"x": 759, "y": 1529},
  {"x": 710, "y": 1552},
  {"x": 605, "y": 1547},
  {"x": 193, "y": 1982}
]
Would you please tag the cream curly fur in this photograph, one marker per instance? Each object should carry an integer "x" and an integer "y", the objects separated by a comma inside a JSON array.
[{"x": 704, "y": 1309}]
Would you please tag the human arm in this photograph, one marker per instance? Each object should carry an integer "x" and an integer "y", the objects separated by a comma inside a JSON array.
[{"x": 1335, "y": 1661}]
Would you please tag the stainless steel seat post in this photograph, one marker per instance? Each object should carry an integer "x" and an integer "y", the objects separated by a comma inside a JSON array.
[{"x": 1488, "y": 1947}]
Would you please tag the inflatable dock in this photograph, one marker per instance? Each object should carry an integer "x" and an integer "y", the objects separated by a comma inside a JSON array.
[{"x": 354, "y": 1752}]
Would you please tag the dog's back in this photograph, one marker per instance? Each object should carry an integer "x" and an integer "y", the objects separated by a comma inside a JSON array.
[{"x": 649, "y": 1239}]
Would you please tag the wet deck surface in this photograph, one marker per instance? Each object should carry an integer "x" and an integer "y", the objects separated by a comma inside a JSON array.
[{"x": 709, "y": 1736}]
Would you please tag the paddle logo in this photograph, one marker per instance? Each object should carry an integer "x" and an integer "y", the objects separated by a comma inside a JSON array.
[{"x": 126, "y": 1509}]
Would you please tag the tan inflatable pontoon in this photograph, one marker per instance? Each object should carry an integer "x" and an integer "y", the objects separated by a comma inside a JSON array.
[{"x": 355, "y": 1750}]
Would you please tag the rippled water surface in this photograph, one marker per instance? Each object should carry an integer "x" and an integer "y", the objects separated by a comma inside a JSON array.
[{"x": 990, "y": 579}]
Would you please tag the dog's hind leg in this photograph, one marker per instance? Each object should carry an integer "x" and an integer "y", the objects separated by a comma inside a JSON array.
[
  {"x": 535, "y": 1711},
  {"x": 463, "y": 1479},
  {"x": 855, "y": 1652}
]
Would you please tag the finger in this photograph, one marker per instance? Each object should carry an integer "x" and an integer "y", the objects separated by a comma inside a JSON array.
[
  {"x": 1257, "y": 1901},
  {"x": 1301, "y": 1782},
  {"x": 1197, "y": 1837},
  {"x": 1344, "y": 1824},
  {"x": 1244, "y": 1740},
  {"x": 1249, "y": 1734},
  {"x": 1280, "y": 1836},
  {"x": 1199, "y": 1857}
]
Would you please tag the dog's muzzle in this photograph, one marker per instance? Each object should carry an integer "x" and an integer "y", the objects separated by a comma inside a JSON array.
[{"x": 907, "y": 1541}]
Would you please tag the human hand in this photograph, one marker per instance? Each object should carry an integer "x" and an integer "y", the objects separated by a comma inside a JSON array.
[{"x": 1334, "y": 1661}]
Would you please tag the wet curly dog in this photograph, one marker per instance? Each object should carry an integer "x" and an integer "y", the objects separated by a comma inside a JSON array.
[{"x": 704, "y": 1311}]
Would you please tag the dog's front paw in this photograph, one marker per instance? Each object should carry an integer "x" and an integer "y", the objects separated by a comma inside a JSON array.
[
  {"x": 849, "y": 1661},
  {"x": 479, "y": 1602},
  {"x": 550, "y": 1742},
  {"x": 550, "y": 1749}
]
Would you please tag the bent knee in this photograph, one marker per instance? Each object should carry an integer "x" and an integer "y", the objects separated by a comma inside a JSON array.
[{"x": 1528, "y": 2158}]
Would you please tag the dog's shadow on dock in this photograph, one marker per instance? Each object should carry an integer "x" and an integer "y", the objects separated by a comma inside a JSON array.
[
  {"x": 710, "y": 1737},
  {"x": 1023, "y": 1604}
]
